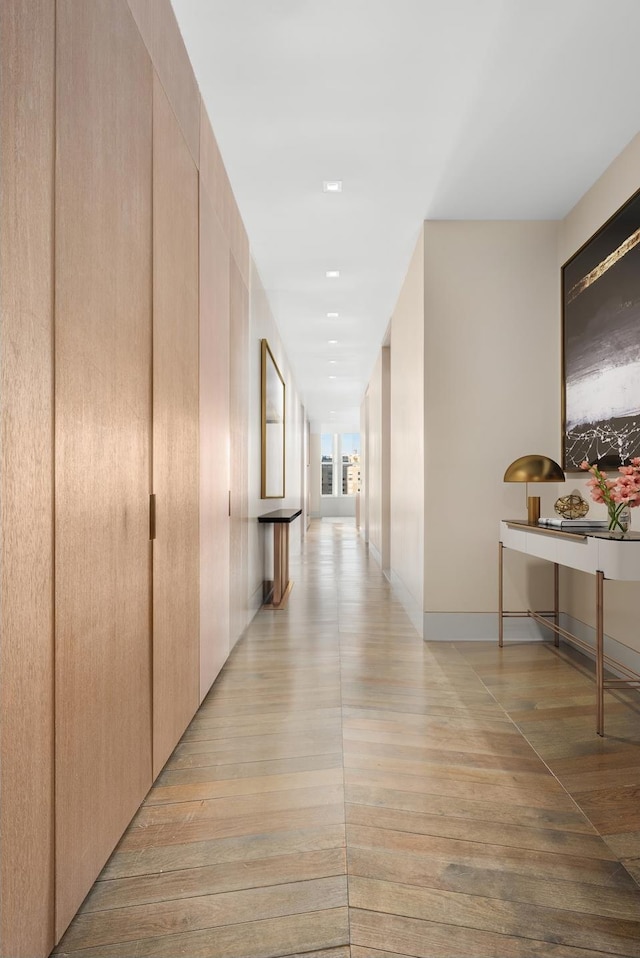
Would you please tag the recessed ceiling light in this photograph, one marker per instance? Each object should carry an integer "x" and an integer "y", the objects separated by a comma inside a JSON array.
[
  {"x": 332, "y": 362},
  {"x": 332, "y": 186},
  {"x": 332, "y": 377},
  {"x": 333, "y": 342},
  {"x": 332, "y": 315},
  {"x": 332, "y": 273}
]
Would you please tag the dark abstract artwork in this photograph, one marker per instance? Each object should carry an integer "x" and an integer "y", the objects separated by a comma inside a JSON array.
[{"x": 601, "y": 345}]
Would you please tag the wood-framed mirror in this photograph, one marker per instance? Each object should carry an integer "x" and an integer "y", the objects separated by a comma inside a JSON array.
[{"x": 273, "y": 427}]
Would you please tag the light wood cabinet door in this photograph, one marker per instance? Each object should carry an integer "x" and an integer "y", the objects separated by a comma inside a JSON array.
[
  {"x": 176, "y": 563},
  {"x": 102, "y": 437},
  {"x": 27, "y": 53},
  {"x": 214, "y": 444},
  {"x": 239, "y": 419}
]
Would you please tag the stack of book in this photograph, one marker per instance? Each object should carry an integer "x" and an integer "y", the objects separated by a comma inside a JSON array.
[{"x": 578, "y": 525}]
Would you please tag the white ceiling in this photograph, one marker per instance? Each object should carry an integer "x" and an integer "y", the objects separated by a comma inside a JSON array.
[{"x": 443, "y": 109}]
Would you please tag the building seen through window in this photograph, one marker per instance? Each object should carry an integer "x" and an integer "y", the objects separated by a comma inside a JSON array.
[
  {"x": 327, "y": 464},
  {"x": 343, "y": 450}
]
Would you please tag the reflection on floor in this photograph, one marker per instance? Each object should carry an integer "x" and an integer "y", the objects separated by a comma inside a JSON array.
[{"x": 346, "y": 789}]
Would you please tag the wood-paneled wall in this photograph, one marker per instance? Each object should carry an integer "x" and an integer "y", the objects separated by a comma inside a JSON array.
[
  {"x": 103, "y": 437},
  {"x": 176, "y": 644},
  {"x": 239, "y": 544},
  {"x": 27, "y": 52},
  {"x": 215, "y": 184},
  {"x": 161, "y": 34},
  {"x": 133, "y": 282},
  {"x": 214, "y": 434}
]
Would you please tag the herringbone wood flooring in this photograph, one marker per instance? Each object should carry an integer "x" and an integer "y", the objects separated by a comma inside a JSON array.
[{"x": 346, "y": 789}]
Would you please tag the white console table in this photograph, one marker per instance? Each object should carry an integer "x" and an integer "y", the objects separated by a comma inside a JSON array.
[{"x": 593, "y": 552}]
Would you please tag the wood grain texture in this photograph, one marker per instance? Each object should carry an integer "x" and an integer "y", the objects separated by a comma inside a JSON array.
[
  {"x": 175, "y": 72},
  {"x": 176, "y": 563},
  {"x": 161, "y": 35},
  {"x": 239, "y": 420},
  {"x": 142, "y": 12},
  {"x": 548, "y": 693},
  {"x": 469, "y": 853},
  {"x": 459, "y": 841},
  {"x": 214, "y": 443},
  {"x": 523, "y": 920},
  {"x": 213, "y": 176},
  {"x": 169, "y": 918},
  {"x": 27, "y": 31},
  {"x": 103, "y": 416},
  {"x": 254, "y": 845},
  {"x": 502, "y": 882},
  {"x": 295, "y": 934},
  {"x": 215, "y": 879},
  {"x": 218, "y": 186},
  {"x": 375, "y": 932}
]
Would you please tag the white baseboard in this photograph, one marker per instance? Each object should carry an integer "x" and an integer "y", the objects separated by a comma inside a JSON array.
[
  {"x": 480, "y": 627},
  {"x": 373, "y": 552},
  {"x": 483, "y": 627},
  {"x": 409, "y": 604},
  {"x": 622, "y": 653}
]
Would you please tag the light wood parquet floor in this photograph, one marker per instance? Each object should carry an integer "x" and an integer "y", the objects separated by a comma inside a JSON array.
[{"x": 347, "y": 790}]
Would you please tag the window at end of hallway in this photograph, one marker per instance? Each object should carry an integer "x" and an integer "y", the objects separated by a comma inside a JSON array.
[{"x": 342, "y": 449}]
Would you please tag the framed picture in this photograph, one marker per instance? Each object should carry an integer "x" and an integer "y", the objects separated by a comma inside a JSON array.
[
  {"x": 601, "y": 345},
  {"x": 273, "y": 427}
]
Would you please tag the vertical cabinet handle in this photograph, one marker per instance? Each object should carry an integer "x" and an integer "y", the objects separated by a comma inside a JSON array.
[
  {"x": 152, "y": 515},
  {"x": 229, "y": 502}
]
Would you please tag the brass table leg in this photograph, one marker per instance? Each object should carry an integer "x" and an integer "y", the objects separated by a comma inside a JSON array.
[
  {"x": 281, "y": 584},
  {"x": 500, "y": 596},
  {"x": 600, "y": 653}
]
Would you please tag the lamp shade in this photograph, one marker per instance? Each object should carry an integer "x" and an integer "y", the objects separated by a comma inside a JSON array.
[{"x": 534, "y": 469}]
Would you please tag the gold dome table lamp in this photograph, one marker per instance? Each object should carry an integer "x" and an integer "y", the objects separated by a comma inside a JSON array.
[{"x": 533, "y": 469}]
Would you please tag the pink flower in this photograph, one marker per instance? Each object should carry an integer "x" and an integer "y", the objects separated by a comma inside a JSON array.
[{"x": 624, "y": 489}]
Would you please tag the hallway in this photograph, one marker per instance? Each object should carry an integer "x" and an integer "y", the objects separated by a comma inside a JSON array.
[{"x": 346, "y": 789}]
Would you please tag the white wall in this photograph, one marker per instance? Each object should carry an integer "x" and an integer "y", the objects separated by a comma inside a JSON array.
[
  {"x": 364, "y": 468},
  {"x": 474, "y": 346},
  {"x": 407, "y": 440},
  {"x": 492, "y": 374},
  {"x": 315, "y": 483},
  {"x": 482, "y": 304},
  {"x": 262, "y": 325},
  {"x": 622, "y": 600},
  {"x": 340, "y": 506}
]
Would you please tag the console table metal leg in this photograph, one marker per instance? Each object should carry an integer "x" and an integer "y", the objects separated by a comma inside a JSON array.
[
  {"x": 600, "y": 652},
  {"x": 278, "y": 562},
  {"x": 281, "y": 582},
  {"x": 500, "y": 595},
  {"x": 556, "y": 602}
]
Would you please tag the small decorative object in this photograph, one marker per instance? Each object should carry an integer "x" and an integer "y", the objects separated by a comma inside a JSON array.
[
  {"x": 619, "y": 495},
  {"x": 572, "y": 506},
  {"x": 533, "y": 469}
]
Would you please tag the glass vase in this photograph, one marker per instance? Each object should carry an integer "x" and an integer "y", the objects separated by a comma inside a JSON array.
[{"x": 619, "y": 515}]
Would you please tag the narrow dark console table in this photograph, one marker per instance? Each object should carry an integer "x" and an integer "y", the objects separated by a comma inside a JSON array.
[{"x": 282, "y": 585}]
